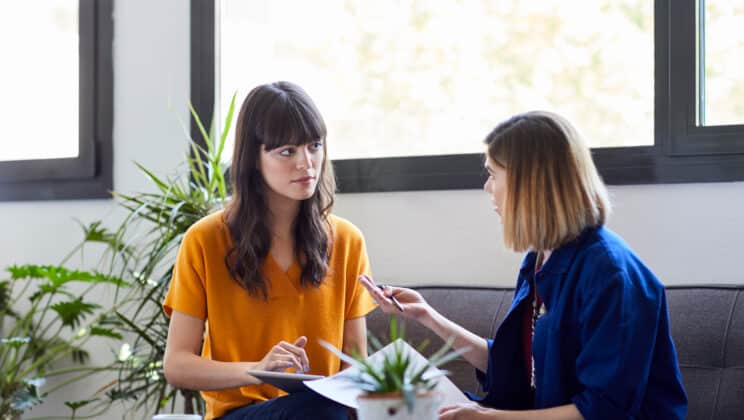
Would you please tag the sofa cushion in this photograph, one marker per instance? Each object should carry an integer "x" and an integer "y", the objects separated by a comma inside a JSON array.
[
  {"x": 707, "y": 325},
  {"x": 708, "y": 329}
]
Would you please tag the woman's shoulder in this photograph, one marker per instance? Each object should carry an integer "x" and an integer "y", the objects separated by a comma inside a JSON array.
[
  {"x": 603, "y": 247},
  {"x": 610, "y": 259},
  {"x": 210, "y": 226},
  {"x": 343, "y": 228}
]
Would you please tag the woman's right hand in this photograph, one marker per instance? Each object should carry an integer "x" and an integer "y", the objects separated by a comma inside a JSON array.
[
  {"x": 413, "y": 304},
  {"x": 286, "y": 355}
]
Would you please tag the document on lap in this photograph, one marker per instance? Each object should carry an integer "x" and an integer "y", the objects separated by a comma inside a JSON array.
[{"x": 342, "y": 389}]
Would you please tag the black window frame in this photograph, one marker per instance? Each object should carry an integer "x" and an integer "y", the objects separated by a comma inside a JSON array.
[
  {"x": 90, "y": 174},
  {"x": 682, "y": 151}
]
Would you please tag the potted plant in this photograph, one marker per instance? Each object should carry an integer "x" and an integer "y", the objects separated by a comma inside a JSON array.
[
  {"x": 396, "y": 384},
  {"x": 49, "y": 323},
  {"x": 142, "y": 249}
]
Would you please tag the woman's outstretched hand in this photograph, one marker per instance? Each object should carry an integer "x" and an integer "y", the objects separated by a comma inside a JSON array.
[
  {"x": 467, "y": 411},
  {"x": 412, "y": 305},
  {"x": 286, "y": 355}
]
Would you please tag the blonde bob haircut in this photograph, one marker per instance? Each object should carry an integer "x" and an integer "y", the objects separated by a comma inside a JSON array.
[{"x": 553, "y": 191}]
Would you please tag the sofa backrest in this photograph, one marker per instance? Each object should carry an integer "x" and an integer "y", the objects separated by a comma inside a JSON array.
[{"x": 707, "y": 326}]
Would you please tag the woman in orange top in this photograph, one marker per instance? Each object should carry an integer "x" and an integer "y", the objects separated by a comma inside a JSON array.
[{"x": 271, "y": 274}]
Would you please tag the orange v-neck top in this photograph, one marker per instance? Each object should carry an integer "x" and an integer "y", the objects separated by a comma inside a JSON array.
[{"x": 241, "y": 327}]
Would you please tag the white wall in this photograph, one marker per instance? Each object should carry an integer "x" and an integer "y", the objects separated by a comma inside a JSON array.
[{"x": 686, "y": 233}]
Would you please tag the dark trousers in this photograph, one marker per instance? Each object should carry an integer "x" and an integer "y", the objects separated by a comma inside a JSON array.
[{"x": 298, "y": 405}]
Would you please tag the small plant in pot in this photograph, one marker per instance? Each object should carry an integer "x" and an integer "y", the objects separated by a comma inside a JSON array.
[{"x": 397, "y": 382}]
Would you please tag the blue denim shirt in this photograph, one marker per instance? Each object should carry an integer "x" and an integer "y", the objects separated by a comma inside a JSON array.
[{"x": 604, "y": 343}]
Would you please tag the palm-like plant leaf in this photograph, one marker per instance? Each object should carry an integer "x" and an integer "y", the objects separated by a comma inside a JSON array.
[
  {"x": 105, "y": 332},
  {"x": 57, "y": 276},
  {"x": 165, "y": 215},
  {"x": 72, "y": 312},
  {"x": 95, "y": 232}
]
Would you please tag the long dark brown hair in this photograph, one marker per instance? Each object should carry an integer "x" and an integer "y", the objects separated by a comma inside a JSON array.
[{"x": 275, "y": 115}]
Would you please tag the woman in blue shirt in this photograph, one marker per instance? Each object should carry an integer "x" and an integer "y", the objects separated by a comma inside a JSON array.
[{"x": 587, "y": 335}]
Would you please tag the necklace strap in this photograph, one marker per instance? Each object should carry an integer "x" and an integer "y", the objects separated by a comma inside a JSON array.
[{"x": 535, "y": 314}]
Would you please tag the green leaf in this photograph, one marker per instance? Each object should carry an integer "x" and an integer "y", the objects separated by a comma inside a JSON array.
[
  {"x": 450, "y": 356},
  {"x": 162, "y": 185},
  {"x": 49, "y": 289},
  {"x": 74, "y": 405},
  {"x": 196, "y": 166},
  {"x": 105, "y": 332},
  {"x": 140, "y": 332},
  {"x": 72, "y": 312},
  {"x": 80, "y": 356},
  {"x": 338, "y": 353},
  {"x": 422, "y": 345},
  {"x": 226, "y": 126},
  {"x": 39, "y": 348},
  {"x": 5, "y": 296},
  {"x": 199, "y": 124},
  {"x": 394, "y": 334},
  {"x": 20, "y": 272},
  {"x": 374, "y": 341},
  {"x": 94, "y": 232},
  {"x": 56, "y": 276}
]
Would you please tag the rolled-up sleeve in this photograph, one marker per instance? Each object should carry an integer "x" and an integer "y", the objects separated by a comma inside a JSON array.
[
  {"x": 617, "y": 331},
  {"x": 484, "y": 378}
]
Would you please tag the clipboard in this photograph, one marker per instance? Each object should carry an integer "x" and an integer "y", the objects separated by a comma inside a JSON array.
[{"x": 288, "y": 382}]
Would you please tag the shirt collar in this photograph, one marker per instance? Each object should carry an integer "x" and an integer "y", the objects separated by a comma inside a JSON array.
[{"x": 560, "y": 259}]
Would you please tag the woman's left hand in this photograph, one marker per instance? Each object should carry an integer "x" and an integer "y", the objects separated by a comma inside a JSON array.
[{"x": 467, "y": 411}]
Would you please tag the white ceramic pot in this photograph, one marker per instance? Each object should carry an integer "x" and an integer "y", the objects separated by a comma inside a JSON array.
[
  {"x": 392, "y": 407},
  {"x": 177, "y": 417}
]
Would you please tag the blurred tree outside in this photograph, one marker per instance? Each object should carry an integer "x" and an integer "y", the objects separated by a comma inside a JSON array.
[
  {"x": 415, "y": 77},
  {"x": 724, "y": 61}
]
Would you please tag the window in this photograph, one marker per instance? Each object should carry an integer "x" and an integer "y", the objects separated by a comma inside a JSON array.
[
  {"x": 703, "y": 46},
  {"x": 412, "y": 88},
  {"x": 57, "y": 88},
  {"x": 408, "y": 79},
  {"x": 720, "y": 56}
]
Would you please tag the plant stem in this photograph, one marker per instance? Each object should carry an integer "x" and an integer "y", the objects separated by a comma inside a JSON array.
[
  {"x": 43, "y": 314},
  {"x": 94, "y": 415},
  {"x": 73, "y": 252},
  {"x": 19, "y": 327},
  {"x": 75, "y": 369},
  {"x": 71, "y": 380},
  {"x": 53, "y": 353}
]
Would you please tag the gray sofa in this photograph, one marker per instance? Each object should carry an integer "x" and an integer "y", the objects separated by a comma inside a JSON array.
[{"x": 707, "y": 326}]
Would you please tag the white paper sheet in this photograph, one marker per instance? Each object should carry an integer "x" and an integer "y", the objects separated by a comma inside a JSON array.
[{"x": 343, "y": 390}]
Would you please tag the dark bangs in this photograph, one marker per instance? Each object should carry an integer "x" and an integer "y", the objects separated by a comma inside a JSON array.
[{"x": 290, "y": 119}]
